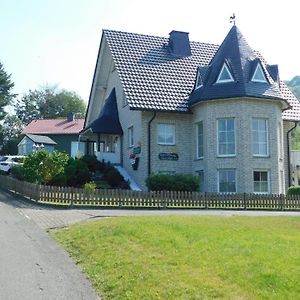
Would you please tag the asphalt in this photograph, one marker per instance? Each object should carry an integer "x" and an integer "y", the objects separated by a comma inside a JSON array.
[{"x": 32, "y": 265}]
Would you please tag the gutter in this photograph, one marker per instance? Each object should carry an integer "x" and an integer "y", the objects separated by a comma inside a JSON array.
[
  {"x": 289, "y": 152},
  {"x": 149, "y": 143}
]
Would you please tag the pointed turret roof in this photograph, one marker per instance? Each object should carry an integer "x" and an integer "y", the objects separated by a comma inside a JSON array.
[{"x": 241, "y": 61}]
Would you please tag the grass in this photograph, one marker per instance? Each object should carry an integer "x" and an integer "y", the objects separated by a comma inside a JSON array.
[{"x": 188, "y": 257}]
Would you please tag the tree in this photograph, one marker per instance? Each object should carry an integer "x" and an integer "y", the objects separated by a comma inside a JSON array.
[
  {"x": 48, "y": 103},
  {"x": 10, "y": 134},
  {"x": 6, "y": 87}
]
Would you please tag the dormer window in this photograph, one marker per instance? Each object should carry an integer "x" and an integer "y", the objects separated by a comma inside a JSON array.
[
  {"x": 258, "y": 75},
  {"x": 225, "y": 75},
  {"x": 198, "y": 80}
]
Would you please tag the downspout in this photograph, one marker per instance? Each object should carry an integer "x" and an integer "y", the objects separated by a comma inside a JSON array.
[
  {"x": 149, "y": 143},
  {"x": 288, "y": 151}
]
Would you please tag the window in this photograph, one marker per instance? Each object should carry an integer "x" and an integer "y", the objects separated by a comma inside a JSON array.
[
  {"x": 258, "y": 75},
  {"x": 261, "y": 182},
  {"x": 226, "y": 137},
  {"x": 198, "y": 80},
  {"x": 280, "y": 143},
  {"x": 200, "y": 140},
  {"x": 130, "y": 137},
  {"x": 225, "y": 75},
  {"x": 77, "y": 149},
  {"x": 166, "y": 134},
  {"x": 260, "y": 137},
  {"x": 227, "y": 181}
]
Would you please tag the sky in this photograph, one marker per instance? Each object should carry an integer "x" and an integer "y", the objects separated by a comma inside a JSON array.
[{"x": 55, "y": 42}]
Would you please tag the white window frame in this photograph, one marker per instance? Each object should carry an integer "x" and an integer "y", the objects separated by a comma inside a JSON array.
[
  {"x": 130, "y": 137},
  {"x": 235, "y": 175},
  {"x": 280, "y": 141},
  {"x": 164, "y": 143},
  {"x": 268, "y": 177},
  {"x": 259, "y": 69},
  {"x": 198, "y": 80},
  {"x": 197, "y": 141},
  {"x": 234, "y": 127},
  {"x": 224, "y": 80},
  {"x": 267, "y": 138}
]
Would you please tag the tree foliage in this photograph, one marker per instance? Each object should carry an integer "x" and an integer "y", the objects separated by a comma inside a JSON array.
[
  {"x": 42, "y": 166},
  {"x": 6, "y": 86},
  {"x": 48, "y": 103}
]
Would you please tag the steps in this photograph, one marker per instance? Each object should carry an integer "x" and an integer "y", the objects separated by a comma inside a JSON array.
[{"x": 133, "y": 185}]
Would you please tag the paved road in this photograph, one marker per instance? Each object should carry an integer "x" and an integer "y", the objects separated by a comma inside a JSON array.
[
  {"x": 48, "y": 217},
  {"x": 32, "y": 265}
]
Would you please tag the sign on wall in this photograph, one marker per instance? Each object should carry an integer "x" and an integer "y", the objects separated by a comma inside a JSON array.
[{"x": 168, "y": 156}]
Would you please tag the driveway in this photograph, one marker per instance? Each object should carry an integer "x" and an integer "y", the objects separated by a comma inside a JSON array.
[{"x": 33, "y": 266}]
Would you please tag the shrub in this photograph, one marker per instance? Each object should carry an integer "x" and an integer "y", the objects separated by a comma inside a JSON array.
[
  {"x": 17, "y": 172},
  {"x": 113, "y": 177},
  {"x": 59, "y": 180},
  {"x": 293, "y": 190},
  {"x": 92, "y": 163},
  {"x": 42, "y": 166},
  {"x": 172, "y": 182},
  {"x": 77, "y": 172},
  {"x": 90, "y": 186}
]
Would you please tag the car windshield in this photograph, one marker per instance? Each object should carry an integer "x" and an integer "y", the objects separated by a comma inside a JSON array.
[{"x": 3, "y": 158}]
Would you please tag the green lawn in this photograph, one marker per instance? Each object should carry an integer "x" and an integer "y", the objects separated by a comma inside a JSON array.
[{"x": 189, "y": 257}]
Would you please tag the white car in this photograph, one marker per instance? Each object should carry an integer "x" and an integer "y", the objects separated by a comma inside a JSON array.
[{"x": 7, "y": 162}]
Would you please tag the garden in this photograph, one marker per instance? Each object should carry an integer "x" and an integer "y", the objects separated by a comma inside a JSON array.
[{"x": 58, "y": 169}]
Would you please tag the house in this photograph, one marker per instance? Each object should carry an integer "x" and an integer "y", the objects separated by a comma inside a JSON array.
[
  {"x": 32, "y": 142},
  {"x": 166, "y": 105},
  {"x": 53, "y": 134}
]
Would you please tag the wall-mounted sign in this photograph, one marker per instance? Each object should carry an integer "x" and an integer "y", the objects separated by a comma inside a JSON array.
[
  {"x": 168, "y": 156},
  {"x": 136, "y": 150}
]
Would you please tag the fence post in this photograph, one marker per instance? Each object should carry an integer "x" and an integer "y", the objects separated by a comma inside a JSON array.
[
  {"x": 72, "y": 198},
  {"x": 244, "y": 199},
  {"x": 205, "y": 200},
  {"x": 281, "y": 201}
]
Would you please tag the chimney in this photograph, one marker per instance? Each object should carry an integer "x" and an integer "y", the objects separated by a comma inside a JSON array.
[
  {"x": 70, "y": 117},
  {"x": 179, "y": 44}
]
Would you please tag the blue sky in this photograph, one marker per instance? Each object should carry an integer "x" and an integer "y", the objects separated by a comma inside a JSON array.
[{"x": 55, "y": 42}]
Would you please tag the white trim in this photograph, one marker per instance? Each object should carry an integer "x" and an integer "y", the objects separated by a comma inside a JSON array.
[
  {"x": 259, "y": 69},
  {"x": 218, "y": 180},
  {"x": 225, "y": 67},
  {"x": 130, "y": 136},
  {"x": 267, "y": 137},
  {"x": 173, "y": 132},
  {"x": 197, "y": 139},
  {"x": 198, "y": 84},
  {"x": 268, "y": 177},
  {"x": 235, "y": 149}
]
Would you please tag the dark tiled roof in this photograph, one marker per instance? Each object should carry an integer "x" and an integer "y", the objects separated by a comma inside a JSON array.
[
  {"x": 41, "y": 139},
  {"x": 241, "y": 62},
  {"x": 108, "y": 120},
  {"x": 154, "y": 80}
]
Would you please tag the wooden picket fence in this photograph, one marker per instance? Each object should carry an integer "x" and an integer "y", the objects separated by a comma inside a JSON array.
[{"x": 76, "y": 197}]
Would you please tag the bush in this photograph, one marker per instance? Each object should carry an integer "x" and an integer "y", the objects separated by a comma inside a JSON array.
[
  {"x": 90, "y": 186},
  {"x": 173, "y": 182},
  {"x": 42, "y": 166},
  {"x": 17, "y": 172},
  {"x": 293, "y": 190},
  {"x": 59, "y": 180},
  {"x": 92, "y": 163},
  {"x": 77, "y": 172},
  {"x": 113, "y": 177}
]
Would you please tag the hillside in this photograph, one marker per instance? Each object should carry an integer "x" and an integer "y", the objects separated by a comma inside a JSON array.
[{"x": 294, "y": 86}]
